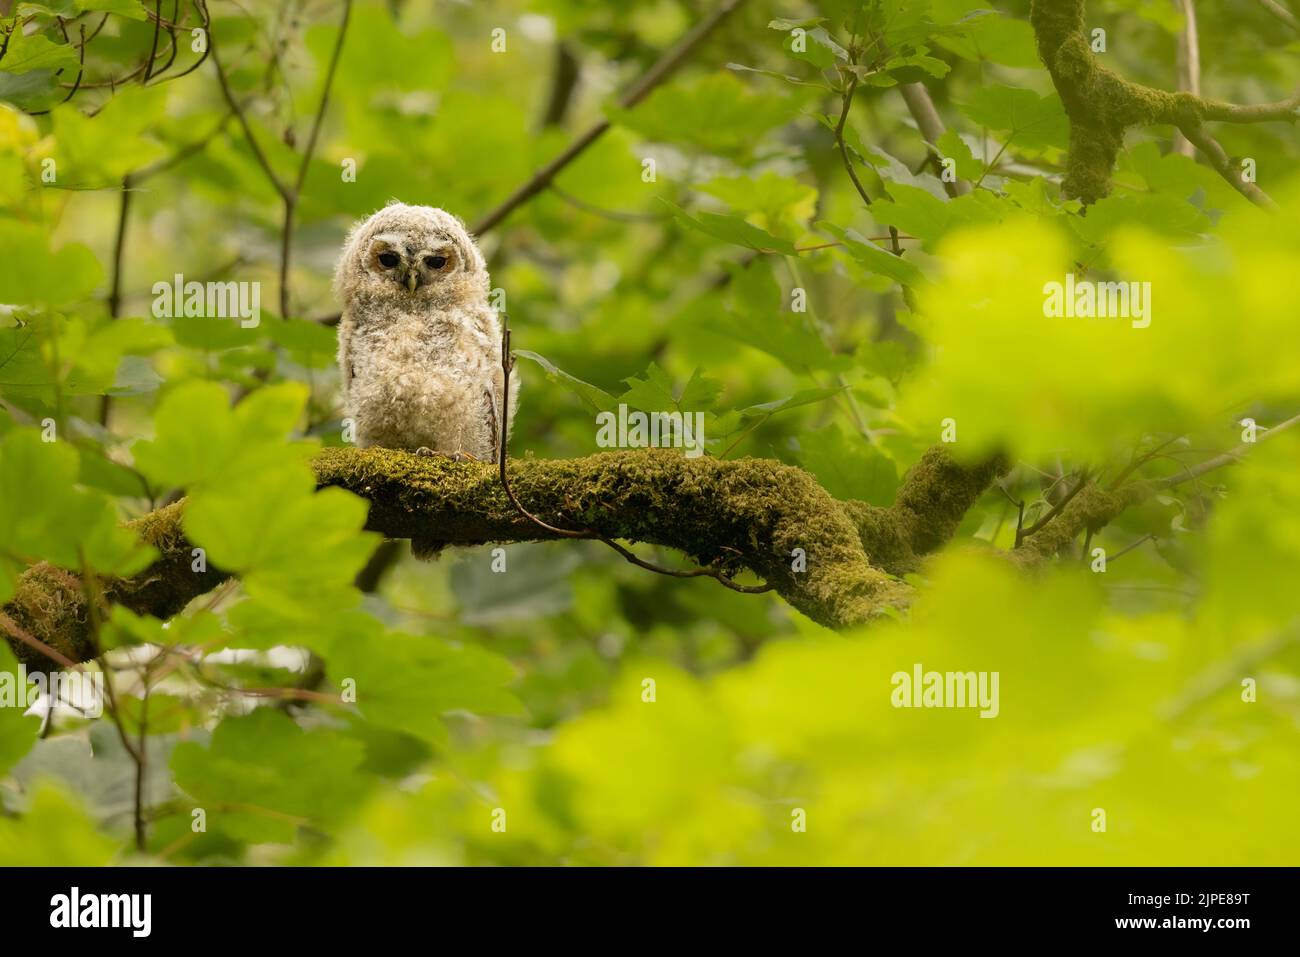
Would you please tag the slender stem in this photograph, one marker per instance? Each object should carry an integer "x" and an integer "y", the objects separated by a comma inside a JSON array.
[
  {"x": 115, "y": 287},
  {"x": 1281, "y": 12},
  {"x": 507, "y": 366},
  {"x": 1222, "y": 163},
  {"x": 991, "y": 164},
  {"x": 1227, "y": 458},
  {"x": 846, "y": 102},
  {"x": 1055, "y": 510},
  {"x": 1189, "y": 66},
  {"x": 663, "y": 68}
]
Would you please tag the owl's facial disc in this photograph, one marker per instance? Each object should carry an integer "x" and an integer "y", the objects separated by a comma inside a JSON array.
[{"x": 411, "y": 262}]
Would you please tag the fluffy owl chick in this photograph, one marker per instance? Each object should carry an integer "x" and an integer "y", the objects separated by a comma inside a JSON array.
[{"x": 419, "y": 348}]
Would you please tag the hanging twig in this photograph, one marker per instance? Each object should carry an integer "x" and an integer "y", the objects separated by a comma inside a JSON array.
[{"x": 507, "y": 366}]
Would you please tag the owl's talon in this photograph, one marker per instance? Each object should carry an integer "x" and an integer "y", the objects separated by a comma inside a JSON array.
[{"x": 463, "y": 457}]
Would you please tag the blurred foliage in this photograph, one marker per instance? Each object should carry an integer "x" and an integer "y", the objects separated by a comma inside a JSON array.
[{"x": 458, "y": 715}]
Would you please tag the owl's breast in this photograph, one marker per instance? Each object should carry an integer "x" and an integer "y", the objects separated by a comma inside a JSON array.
[{"x": 419, "y": 381}]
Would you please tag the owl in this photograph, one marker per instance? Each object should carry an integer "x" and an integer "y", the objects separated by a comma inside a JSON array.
[{"x": 419, "y": 348}]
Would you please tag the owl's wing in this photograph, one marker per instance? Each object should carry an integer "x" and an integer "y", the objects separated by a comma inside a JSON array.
[
  {"x": 494, "y": 424},
  {"x": 345, "y": 356}
]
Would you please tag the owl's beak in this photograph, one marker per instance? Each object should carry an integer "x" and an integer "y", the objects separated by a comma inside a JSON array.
[{"x": 412, "y": 280}]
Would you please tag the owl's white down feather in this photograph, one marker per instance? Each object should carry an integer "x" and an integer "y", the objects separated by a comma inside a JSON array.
[{"x": 419, "y": 347}]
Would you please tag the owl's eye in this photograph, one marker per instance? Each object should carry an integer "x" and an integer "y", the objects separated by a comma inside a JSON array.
[
  {"x": 435, "y": 262},
  {"x": 388, "y": 260}
]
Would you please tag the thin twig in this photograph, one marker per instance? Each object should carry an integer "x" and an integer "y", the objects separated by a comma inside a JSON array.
[
  {"x": 1189, "y": 66},
  {"x": 206, "y": 27},
  {"x": 1128, "y": 548},
  {"x": 663, "y": 68},
  {"x": 1055, "y": 510},
  {"x": 31, "y": 641},
  {"x": 1227, "y": 458},
  {"x": 1140, "y": 460},
  {"x": 137, "y": 756},
  {"x": 1222, "y": 163},
  {"x": 238, "y": 110},
  {"x": 1281, "y": 12},
  {"x": 846, "y": 102},
  {"x": 153, "y": 50},
  {"x": 115, "y": 288},
  {"x": 507, "y": 366},
  {"x": 921, "y": 106}
]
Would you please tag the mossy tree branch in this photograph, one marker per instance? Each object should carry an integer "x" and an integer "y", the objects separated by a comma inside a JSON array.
[
  {"x": 749, "y": 514},
  {"x": 1102, "y": 105},
  {"x": 1090, "y": 507}
]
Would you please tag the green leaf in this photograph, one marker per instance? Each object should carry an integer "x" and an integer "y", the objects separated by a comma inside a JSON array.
[
  {"x": 809, "y": 42},
  {"x": 17, "y": 731},
  {"x": 44, "y": 516},
  {"x": 656, "y": 393},
  {"x": 593, "y": 397},
  {"x": 1030, "y": 121},
  {"x": 97, "y": 151},
  {"x": 36, "y": 90},
  {"x": 30, "y": 273},
  {"x": 262, "y": 776},
  {"x": 874, "y": 258},
  {"x": 536, "y": 583},
  {"x": 732, "y": 229},
  {"x": 953, "y": 146},
  {"x": 37, "y": 52},
  {"x": 69, "y": 9},
  {"x": 717, "y": 114},
  {"x": 309, "y": 344},
  {"x": 776, "y": 75},
  {"x": 410, "y": 682},
  {"x": 801, "y": 398},
  {"x": 917, "y": 213},
  {"x": 1155, "y": 211},
  {"x": 288, "y": 542},
  {"x": 728, "y": 425},
  {"x": 757, "y": 315},
  {"x": 200, "y": 441},
  {"x": 201, "y": 332},
  {"x": 54, "y": 831},
  {"x": 987, "y": 35},
  {"x": 775, "y": 203},
  {"x": 95, "y": 768},
  {"x": 379, "y": 55},
  {"x": 914, "y": 68},
  {"x": 23, "y": 370},
  {"x": 99, "y": 471},
  {"x": 1173, "y": 173},
  {"x": 848, "y": 466}
]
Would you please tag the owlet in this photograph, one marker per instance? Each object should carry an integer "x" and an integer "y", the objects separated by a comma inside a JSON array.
[{"x": 419, "y": 348}]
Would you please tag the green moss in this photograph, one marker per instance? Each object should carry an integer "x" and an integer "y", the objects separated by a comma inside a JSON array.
[
  {"x": 733, "y": 516},
  {"x": 48, "y": 604},
  {"x": 1100, "y": 104},
  {"x": 729, "y": 515},
  {"x": 1092, "y": 508}
]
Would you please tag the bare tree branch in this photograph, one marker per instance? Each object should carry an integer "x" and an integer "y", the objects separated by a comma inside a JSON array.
[
  {"x": 1189, "y": 66},
  {"x": 1281, "y": 12}
]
